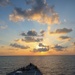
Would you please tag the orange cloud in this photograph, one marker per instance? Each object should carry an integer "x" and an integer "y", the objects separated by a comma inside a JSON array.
[{"x": 40, "y": 12}]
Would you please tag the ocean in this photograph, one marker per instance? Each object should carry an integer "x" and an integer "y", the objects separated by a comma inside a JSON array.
[{"x": 48, "y": 65}]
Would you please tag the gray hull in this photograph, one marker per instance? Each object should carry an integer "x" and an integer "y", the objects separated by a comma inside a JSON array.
[{"x": 28, "y": 70}]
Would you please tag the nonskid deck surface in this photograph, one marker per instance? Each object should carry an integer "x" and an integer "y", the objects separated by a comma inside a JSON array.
[{"x": 28, "y": 70}]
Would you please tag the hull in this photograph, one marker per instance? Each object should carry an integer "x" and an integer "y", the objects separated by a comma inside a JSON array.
[{"x": 28, "y": 70}]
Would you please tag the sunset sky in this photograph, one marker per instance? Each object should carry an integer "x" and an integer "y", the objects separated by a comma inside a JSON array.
[{"x": 37, "y": 27}]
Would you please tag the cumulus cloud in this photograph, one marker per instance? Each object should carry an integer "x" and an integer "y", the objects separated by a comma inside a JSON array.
[
  {"x": 23, "y": 34},
  {"x": 32, "y": 33},
  {"x": 32, "y": 39},
  {"x": 41, "y": 48},
  {"x": 40, "y": 12},
  {"x": 15, "y": 45},
  {"x": 64, "y": 38},
  {"x": 42, "y": 45},
  {"x": 29, "y": 40},
  {"x": 31, "y": 36},
  {"x": 61, "y": 31},
  {"x": 4, "y": 2},
  {"x": 42, "y": 32},
  {"x": 58, "y": 48},
  {"x": 29, "y": 33}
]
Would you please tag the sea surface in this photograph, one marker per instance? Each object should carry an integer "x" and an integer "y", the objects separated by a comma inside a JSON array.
[{"x": 49, "y": 65}]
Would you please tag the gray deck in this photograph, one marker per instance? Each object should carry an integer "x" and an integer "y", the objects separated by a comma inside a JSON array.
[
  {"x": 28, "y": 70},
  {"x": 32, "y": 72}
]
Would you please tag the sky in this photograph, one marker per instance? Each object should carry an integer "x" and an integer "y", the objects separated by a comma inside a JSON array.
[{"x": 37, "y": 27}]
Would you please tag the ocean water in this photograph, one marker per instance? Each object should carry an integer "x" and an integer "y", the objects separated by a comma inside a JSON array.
[{"x": 49, "y": 65}]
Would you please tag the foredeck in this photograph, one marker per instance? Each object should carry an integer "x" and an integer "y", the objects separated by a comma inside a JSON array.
[{"x": 28, "y": 70}]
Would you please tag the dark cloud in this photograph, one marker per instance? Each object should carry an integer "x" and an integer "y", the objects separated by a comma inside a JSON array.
[
  {"x": 40, "y": 11},
  {"x": 32, "y": 39},
  {"x": 4, "y": 2},
  {"x": 39, "y": 39},
  {"x": 15, "y": 45},
  {"x": 42, "y": 32},
  {"x": 29, "y": 1},
  {"x": 23, "y": 34},
  {"x": 42, "y": 45},
  {"x": 29, "y": 39},
  {"x": 29, "y": 33},
  {"x": 64, "y": 38},
  {"x": 32, "y": 33},
  {"x": 58, "y": 48},
  {"x": 61, "y": 31},
  {"x": 42, "y": 48},
  {"x": 31, "y": 36}
]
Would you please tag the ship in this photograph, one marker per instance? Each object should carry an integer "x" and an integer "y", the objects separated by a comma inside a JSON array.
[{"x": 30, "y": 69}]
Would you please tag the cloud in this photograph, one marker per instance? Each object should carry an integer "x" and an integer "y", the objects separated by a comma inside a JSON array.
[
  {"x": 29, "y": 33},
  {"x": 23, "y": 34},
  {"x": 73, "y": 44},
  {"x": 64, "y": 38},
  {"x": 58, "y": 48},
  {"x": 29, "y": 1},
  {"x": 15, "y": 45},
  {"x": 40, "y": 11},
  {"x": 32, "y": 33},
  {"x": 31, "y": 36},
  {"x": 4, "y": 2},
  {"x": 32, "y": 39},
  {"x": 41, "y": 48},
  {"x": 65, "y": 20},
  {"x": 42, "y": 32},
  {"x": 29, "y": 39},
  {"x": 2, "y": 27},
  {"x": 61, "y": 31},
  {"x": 45, "y": 49},
  {"x": 42, "y": 45},
  {"x": 2, "y": 46}
]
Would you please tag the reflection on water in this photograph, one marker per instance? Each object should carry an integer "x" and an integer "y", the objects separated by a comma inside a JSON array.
[{"x": 49, "y": 65}]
